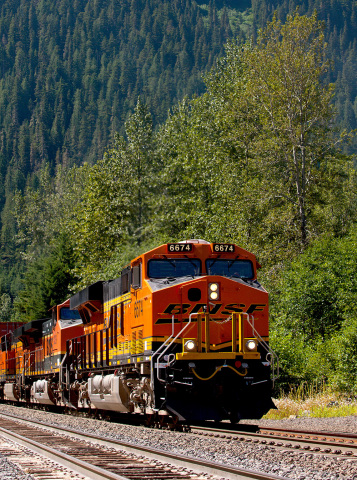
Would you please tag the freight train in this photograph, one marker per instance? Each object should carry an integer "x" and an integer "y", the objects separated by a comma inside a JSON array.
[{"x": 181, "y": 336}]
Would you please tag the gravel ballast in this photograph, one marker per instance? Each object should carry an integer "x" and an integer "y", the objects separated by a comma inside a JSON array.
[
  {"x": 334, "y": 424},
  {"x": 264, "y": 458},
  {"x": 9, "y": 471}
]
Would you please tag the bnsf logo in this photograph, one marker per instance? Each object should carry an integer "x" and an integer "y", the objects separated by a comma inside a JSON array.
[
  {"x": 188, "y": 308},
  {"x": 178, "y": 308}
]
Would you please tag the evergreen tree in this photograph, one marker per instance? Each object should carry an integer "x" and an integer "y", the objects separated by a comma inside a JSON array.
[{"x": 46, "y": 283}]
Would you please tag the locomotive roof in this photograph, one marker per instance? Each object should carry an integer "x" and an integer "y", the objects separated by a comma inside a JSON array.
[
  {"x": 32, "y": 329},
  {"x": 201, "y": 245},
  {"x": 88, "y": 294}
]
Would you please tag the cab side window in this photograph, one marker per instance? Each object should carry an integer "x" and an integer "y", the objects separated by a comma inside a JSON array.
[
  {"x": 136, "y": 276},
  {"x": 125, "y": 280}
]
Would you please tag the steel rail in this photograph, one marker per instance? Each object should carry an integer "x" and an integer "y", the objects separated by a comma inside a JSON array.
[
  {"x": 195, "y": 464},
  {"x": 341, "y": 435},
  {"x": 346, "y": 443},
  {"x": 79, "y": 466}
]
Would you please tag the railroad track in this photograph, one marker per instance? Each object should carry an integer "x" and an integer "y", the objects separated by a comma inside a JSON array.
[
  {"x": 22, "y": 462},
  {"x": 344, "y": 444},
  {"x": 101, "y": 458}
]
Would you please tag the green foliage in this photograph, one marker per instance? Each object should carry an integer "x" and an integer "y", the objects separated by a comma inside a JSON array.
[
  {"x": 314, "y": 314},
  {"x": 71, "y": 71},
  {"x": 44, "y": 211},
  {"x": 344, "y": 357},
  {"x": 225, "y": 170},
  {"x": 286, "y": 69},
  {"x": 340, "y": 19},
  {"x": 296, "y": 144},
  {"x": 123, "y": 254},
  {"x": 117, "y": 198},
  {"x": 319, "y": 288},
  {"x": 190, "y": 175},
  {"x": 46, "y": 283},
  {"x": 5, "y": 307}
]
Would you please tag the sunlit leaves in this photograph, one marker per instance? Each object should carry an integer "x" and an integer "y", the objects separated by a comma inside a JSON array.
[
  {"x": 285, "y": 78},
  {"x": 314, "y": 314}
]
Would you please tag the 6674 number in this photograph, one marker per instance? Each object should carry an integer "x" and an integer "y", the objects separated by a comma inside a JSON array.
[
  {"x": 179, "y": 247},
  {"x": 223, "y": 247}
]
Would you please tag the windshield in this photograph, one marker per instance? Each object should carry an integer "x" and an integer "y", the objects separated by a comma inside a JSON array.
[
  {"x": 68, "y": 314},
  {"x": 174, "y": 267},
  {"x": 230, "y": 268}
]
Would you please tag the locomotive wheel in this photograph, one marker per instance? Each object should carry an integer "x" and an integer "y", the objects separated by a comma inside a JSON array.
[
  {"x": 149, "y": 420},
  {"x": 174, "y": 423},
  {"x": 163, "y": 421},
  {"x": 234, "y": 418}
]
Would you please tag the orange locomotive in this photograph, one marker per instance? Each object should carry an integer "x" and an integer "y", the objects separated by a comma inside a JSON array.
[
  {"x": 31, "y": 357},
  {"x": 181, "y": 334}
]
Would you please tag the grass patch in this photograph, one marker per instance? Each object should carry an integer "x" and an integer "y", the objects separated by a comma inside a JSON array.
[{"x": 308, "y": 402}]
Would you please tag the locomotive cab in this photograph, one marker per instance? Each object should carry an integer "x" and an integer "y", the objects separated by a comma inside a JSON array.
[{"x": 214, "y": 359}]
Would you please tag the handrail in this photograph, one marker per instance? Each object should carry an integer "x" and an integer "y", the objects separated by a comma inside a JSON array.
[
  {"x": 26, "y": 362},
  {"x": 157, "y": 351},
  {"x": 62, "y": 375},
  {"x": 270, "y": 353},
  {"x": 179, "y": 333}
]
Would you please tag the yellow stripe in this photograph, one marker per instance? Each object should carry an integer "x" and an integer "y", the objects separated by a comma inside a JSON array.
[
  {"x": 217, "y": 356},
  {"x": 115, "y": 301}
]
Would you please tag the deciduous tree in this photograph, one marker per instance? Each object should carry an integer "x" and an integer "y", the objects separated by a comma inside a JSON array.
[{"x": 286, "y": 70}]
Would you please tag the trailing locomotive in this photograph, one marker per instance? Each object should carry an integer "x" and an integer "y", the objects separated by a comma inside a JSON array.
[{"x": 182, "y": 334}]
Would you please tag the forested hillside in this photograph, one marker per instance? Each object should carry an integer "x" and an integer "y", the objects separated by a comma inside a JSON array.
[
  {"x": 253, "y": 155},
  {"x": 72, "y": 71}
]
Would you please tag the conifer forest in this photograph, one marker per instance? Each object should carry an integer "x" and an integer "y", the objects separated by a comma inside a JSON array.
[{"x": 127, "y": 124}]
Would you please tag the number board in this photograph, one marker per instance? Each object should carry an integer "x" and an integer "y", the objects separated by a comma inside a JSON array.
[
  {"x": 179, "y": 247},
  {"x": 223, "y": 247}
]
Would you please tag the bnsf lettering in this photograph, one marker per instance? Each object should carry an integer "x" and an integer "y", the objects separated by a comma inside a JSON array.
[
  {"x": 256, "y": 307},
  {"x": 187, "y": 308},
  {"x": 175, "y": 308},
  {"x": 200, "y": 308},
  {"x": 233, "y": 308},
  {"x": 215, "y": 308}
]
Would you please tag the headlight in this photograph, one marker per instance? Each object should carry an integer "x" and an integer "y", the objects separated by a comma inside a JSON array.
[
  {"x": 251, "y": 345},
  {"x": 213, "y": 291},
  {"x": 190, "y": 345}
]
